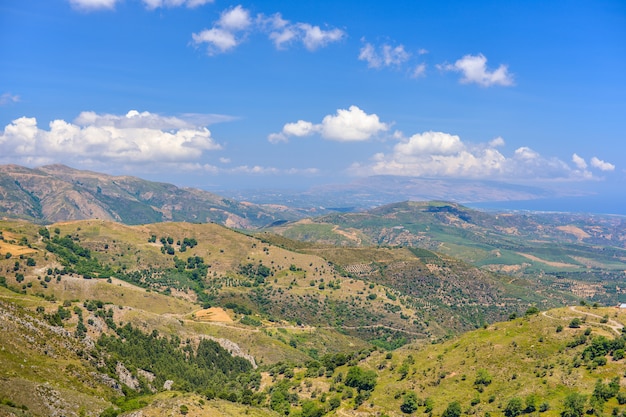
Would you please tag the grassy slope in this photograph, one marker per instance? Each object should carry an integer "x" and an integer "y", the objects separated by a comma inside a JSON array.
[
  {"x": 555, "y": 243},
  {"x": 524, "y": 356},
  {"x": 437, "y": 371}
]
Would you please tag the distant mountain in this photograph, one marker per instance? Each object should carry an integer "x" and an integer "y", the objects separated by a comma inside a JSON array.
[
  {"x": 374, "y": 191},
  {"x": 58, "y": 193}
]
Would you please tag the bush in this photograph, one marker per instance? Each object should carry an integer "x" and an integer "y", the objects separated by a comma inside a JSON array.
[
  {"x": 574, "y": 405},
  {"x": 453, "y": 410},
  {"x": 575, "y": 323},
  {"x": 513, "y": 408},
  {"x": 482, "y": 377},
  {"x": 409, "y": 403},
  {"x": 360, "y": 379}
]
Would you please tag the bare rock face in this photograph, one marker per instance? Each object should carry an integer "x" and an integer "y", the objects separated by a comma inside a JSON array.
[
  {"x": 234, "y": 349},
  {"x": 126, "y": 377},
  {"x": 168, "y": 385}
]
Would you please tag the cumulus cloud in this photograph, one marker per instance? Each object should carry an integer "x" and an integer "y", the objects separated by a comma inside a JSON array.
[
  {"x": 235, "y": 23},
  {"x": 315, "y": 37},
  {"x": 474, "y": 70},
  {"x": 155, "y": 4},
  {"x": 579, "y": 162},
  {"x": 92, "y": 5},
  {"x": 227, "y": 33},
  {"x": 8, "y": 98},
  {"x": 349, "y": 125},
  {"x": 132, "y": 138},
  {"x": 383, "y": 56},
  {"x": 440, "y": 154},
  {"x": 283, "y": 32},
  {"x": 299, "y": 128},
  {"x": 496, "y": 142},
  {"x": 602, "y": 165}
]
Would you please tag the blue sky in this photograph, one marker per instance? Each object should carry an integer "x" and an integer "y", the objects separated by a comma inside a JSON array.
[{"x": 295, "y": 93}]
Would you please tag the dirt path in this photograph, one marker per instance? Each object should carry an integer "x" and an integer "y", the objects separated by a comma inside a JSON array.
[{"x": 611, "y": 324}]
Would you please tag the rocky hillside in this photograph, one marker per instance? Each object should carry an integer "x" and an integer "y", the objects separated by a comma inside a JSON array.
[{"x": 59, "y": 193}]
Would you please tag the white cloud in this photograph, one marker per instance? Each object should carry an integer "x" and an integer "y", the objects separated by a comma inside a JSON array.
[
  {"x": 351, "y": 125},
  {"x": 579, "y": 162},
  {"x": 419, "y": 71},
  {"x": 315, "y": 37},
  {"x": 385, "y": 56},
  {"x": 602, "y": 165},
  {"x": 474, "y": 70},
  {"x": 225, "y": 34},
  {"x": 496, "y": 142},
  {"x": 219, "y": 40},
  {"x": 131, "y": 138},
  {"x": 155, "y": 4},
  {"x": 525, "y": 153},
  {"x": 300, "y": 128},
  {"x": 440, "y": 154},
  {"x": 283, "y": 32},
  {"x": 92, "y": 5},
  {"x": 346, "y": 126},
  {"x": 236, "y": 18},
  {"x": 8, "y": 98},
  {"x": 437, "y": 143},
  {"x": 277, "y": 138}
]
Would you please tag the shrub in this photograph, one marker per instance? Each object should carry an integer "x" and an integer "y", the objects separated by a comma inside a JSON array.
[
  {"x": 575, "y": 323},
  {"x": 409, "y": 403},
  {"x": 453, "y": 410},
  {"x": 513, "y": 407}
]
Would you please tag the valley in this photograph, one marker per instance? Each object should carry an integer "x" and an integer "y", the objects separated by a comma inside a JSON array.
[{"x": 408, "y": 309}]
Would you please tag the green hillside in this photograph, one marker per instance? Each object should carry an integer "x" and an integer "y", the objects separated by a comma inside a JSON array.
[
  {"x": 101, "y": 318},
  {"x": 579, "y": 253}
]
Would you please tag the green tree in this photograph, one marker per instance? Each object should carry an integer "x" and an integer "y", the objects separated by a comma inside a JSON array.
[
  {"x": 310, "y": 409},
  {"x": 574, "y": 405},
  {"x": 360, "y": 379},
  {"x": 514, "y": 407},
  {"x": 409, "y": 403},
  {"x": 482, "y": 377},
  {"x": 453, "y": 410},
  {"x": 575, "y": 323}
]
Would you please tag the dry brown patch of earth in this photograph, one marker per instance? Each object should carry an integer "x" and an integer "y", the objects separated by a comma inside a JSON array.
[
  {"x": 352, "y": 236},
  {"x": 573, "y": 230},
  {"x": 551, "y": 263},
  {"x": 14, "y": 250},
  {"x": 213, "y": 314}
]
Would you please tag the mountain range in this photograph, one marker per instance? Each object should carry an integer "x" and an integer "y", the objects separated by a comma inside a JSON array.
[{"x": 57, "y": 193}]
